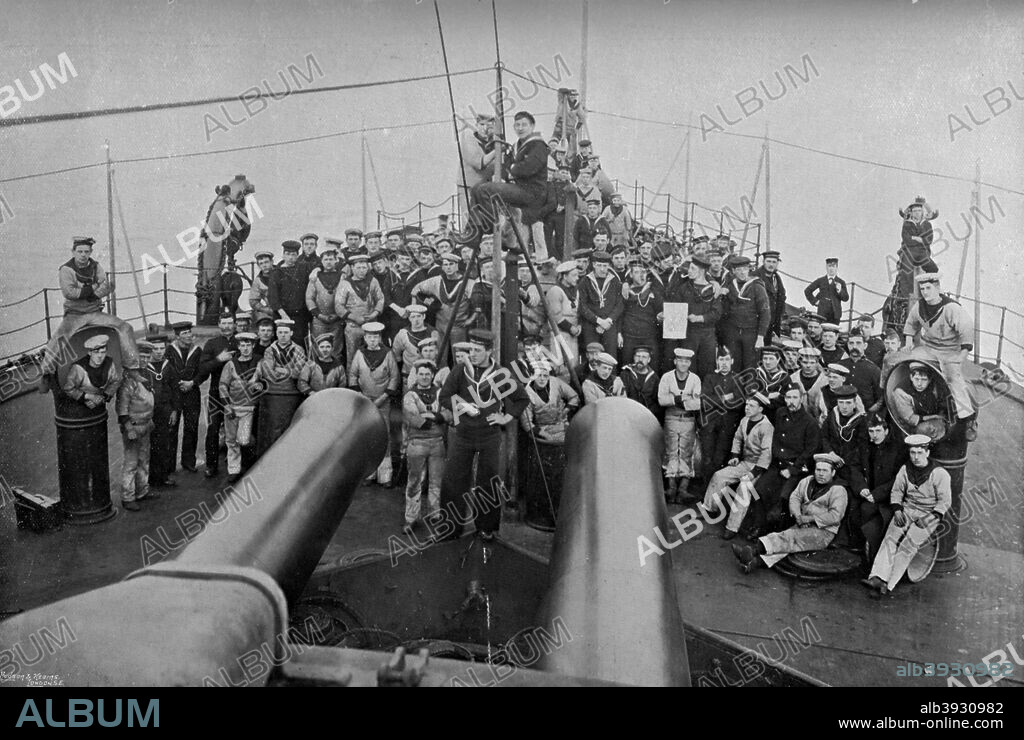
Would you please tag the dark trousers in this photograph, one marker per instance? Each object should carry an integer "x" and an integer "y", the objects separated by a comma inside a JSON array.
[
  {"x": 214, "y": 421},
  {"x": 554, "y": 235},
  {"x": 484, "y": 217},
  {"x": 704, "y": 344},
  {"x": 716, "y": 440},
  {"x": 189, "y": 419},
  {"x": 609, "y": 340},
  {"x": 773, "y": 490},
  {"x": 457, "y": 487},
  {"x": 872, "y": 519},
  {"x": 741, "y": 343},
  {"x": 300, "y": 331},
  {"x": 629, "y": 345},
  {"x": 162, "y": 443}
]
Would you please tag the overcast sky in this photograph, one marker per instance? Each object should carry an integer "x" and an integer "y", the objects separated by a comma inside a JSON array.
[{"x": 883, "y": 79}]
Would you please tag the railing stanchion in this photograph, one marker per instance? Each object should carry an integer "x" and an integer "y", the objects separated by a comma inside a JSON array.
[
  {"x": 167, "y": 307},
  {"x": 849, "y": 321},
  {"x": 1002, "y": 326},
  {"x": 46, "y": 312}
]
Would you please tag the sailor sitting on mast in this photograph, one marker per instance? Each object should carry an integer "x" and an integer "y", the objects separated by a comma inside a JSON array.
[
  {"x": 83, "y": 283},
  {"x": 942, "y": 331},
  {"x": 527, "y": 164}
]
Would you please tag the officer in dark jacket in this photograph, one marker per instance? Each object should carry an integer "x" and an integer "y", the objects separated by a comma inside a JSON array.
[
  {"x": 747, "y": 314},
  {"x": 527, "y": 167},
  {"x": 828, "y": 292},
  {"x": 768, "y": 273},
  {"x": 795, "y": 440},
  {"x": 286, "y": 292},
  {"x": 479, "y": 400},
  {"x": 185, "y": 357},
  {"x": 166, "y": 411},
  {"x": 216, "y": 352}
]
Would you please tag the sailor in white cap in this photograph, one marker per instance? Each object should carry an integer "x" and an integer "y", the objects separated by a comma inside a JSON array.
[
  {"x": 940, "y": 329},
  {"x": 818, "y": 504},
  {"x": 323, "y": 369},
  {"x": 135, "y": 404},
  {"x": 921, "y": 497},
  {"x": 280, "y": 367},
  {"x": 602, "y": 382},
  {"x": 476, "y": 143},
  {"x": 812, "y": 378},
  {"x": 358, "y": 300},
  {"x": 374, "y": 372},
  {"x": 94, "y": 379},
  {"x": 562, "y": 303},
  {"x": 240, "y": 388},
  {"x": 751, "y": 456},
  {"x": 320, "y": 300},
  {"x": 405, "y": 347},
  {"x": 679, "y": 394}
]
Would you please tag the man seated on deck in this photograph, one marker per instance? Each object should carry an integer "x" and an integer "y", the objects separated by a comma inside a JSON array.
[
  {"x": 818, "y": 505},
  {"x": 881, "y": 460},
  {"x": 795, "y": 439},
  {"x": 943, "y": 331},
  {"x": 527, "y": 166},
  {"x": 921, "y": 496},
  {"x": 83, "y": 283},
  {"x": 751, "y": 456},
  {"x": 602, "y": 382}
]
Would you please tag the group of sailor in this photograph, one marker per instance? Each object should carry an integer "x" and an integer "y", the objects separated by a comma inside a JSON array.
[{"x": 784, "y": 417}]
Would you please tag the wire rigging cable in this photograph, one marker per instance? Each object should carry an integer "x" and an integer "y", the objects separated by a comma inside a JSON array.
[
  {"x": 451, "y": 101},
  {"x": 146, "y": 107}
]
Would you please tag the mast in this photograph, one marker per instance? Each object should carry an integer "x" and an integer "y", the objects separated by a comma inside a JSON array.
[
  {"x": 977, "y": 263},
  {"x": 753, "y": 197},
  {"x": 767, "y": 191},
  {"x": 583, "y": 57},
  {"x": 366, "y": 211},
  {"x": 112, "y": 297}
]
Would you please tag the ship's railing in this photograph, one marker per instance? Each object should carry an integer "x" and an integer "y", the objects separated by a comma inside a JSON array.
[
  {"x": 683, "y": 217},
  {"x": 51, "y": 301}
]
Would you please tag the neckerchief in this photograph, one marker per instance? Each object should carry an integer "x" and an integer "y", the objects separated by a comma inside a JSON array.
[
  {"x": 543, "y": 394},
  {"x": 741, "y": 290},
  {"x": 571, "y": 292},
  {"x": 325, "y": 365},
  {"x": 245, "y": 368},
  {"x": 846, "y": 430},
  {"x": 428, "y": 396},
  {"x": 157, "y": 374},
  {"x": 448, "y": 294},
  {"x": 374, "y": 357},
  {"x": 616, "y": 210},
  {"x": 636, "y": 373},
  {"x": 361, "y": 287},
  {"x": 97, "y": 375},
  {"x": 607, "y": 385},
  {"x": 930, "y": 313},
  {"x": 481, "y": 383},
  {"x": 642, "y": 300},
  {"x": 283, "y": 356},
  {"x": 85, "y": 274},
  {"x": 816, "y": 490},
  {"x": 917, "y": 476},
  {"x": 602, "y": 290},
  {"x": 329, "y": 279}
]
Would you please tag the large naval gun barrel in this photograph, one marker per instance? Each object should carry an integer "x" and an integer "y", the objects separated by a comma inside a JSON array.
[
  {"x": 622, "y": 612},
  {"x": 218, "y": 614}
]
